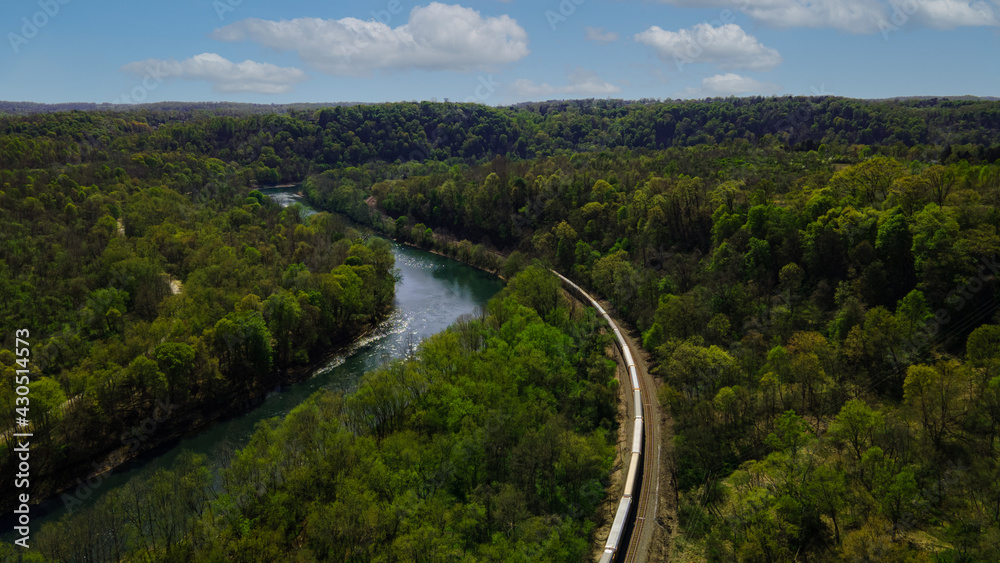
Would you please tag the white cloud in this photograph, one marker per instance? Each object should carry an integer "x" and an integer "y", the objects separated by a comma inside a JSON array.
[
  {"x": 730, "y": 84},
  {"x": 858, "y": 16},
  {"x": 949, "y": 14},
  {"x": 727, "y": 46},
  {"x": 225, "y": 75},
  {"x": 436, "y": 37},
  {"x": 582, "y": 83},
  {"x": 598, "y": 35}
]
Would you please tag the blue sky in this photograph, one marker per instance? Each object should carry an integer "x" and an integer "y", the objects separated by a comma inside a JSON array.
[{"x": 493, "y": 51}]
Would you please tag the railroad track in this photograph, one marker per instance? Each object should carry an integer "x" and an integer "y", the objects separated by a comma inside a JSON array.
[
  {"x": 634, "y": 520},
  {"x": 648, "y": 494}
]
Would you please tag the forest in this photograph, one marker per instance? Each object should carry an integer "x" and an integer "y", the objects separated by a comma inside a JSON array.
[
  {"x": 489, "y": 443},
  {"x": 814, "y": 280},
  {"x": 139, "y": 295},
  {"x": 826, "y": 332}
]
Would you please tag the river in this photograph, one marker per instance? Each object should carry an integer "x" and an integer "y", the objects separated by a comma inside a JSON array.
[{"x": 433, "y": 293}]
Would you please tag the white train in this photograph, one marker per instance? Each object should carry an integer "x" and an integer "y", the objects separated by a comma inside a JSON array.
[{"x": 629, "y": 500}]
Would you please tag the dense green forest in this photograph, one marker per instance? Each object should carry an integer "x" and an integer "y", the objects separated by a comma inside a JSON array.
[
  {"x": 824, "y": 321},
  {"x": 814, "y": 278},
  {"x": 491, "y": 443},
  {"x": 141, "y": 295}
]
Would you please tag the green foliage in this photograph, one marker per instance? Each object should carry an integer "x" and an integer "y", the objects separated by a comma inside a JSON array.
[
  {"x": 133, "y": 263},
  {"x": 826, "y": 256},
  {"x": 243, "y": 345},
  {"x": 766, "y": 276},
  {"x": 473, "y": 449},
  {"x": 537, "y": 288},
  {"x": 176, "y": 360},
  {"x": 47, "y": 398}
]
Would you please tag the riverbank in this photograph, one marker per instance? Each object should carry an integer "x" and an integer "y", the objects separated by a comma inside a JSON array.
[
  {"x": 432, "y": 294},
  {"x": 663, "y": 529},
  {"x": 167, "y": 425}
]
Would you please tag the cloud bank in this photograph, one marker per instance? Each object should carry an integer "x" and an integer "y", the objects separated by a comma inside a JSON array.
[{"x": 436, "y": 37}]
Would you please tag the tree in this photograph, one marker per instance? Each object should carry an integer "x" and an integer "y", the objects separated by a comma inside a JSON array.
[
  {"x": 283, "y": 316},
  {"x": 935, "y": 231},
  {"x": 104, "y": 310},
  {"x": 870, "y": 180},
  {"x": 990, "y": 403},
  {"x": 893, "y": 244},
  {"x": 679, "y": 316},
  {"x": 875, "y": 345},
  {"x": 176, "y": 361},
  {"x": 941, "y": 180},
  {"x": 615, "y": 275},
  {"x": 47, "y": 398},
  {"x": 912, "y": 314},
  {"x": 809, "y": 356},
  {"x": 566, "y": 249},
  {"x": 790, "y": 278},
  {"x": 537, "y": 288},
  {"x": 243, "y": 343},
  {"x": 147, "y": 379},
  {"x": 401, "y": 226},
  {"x": 892, "y": 488},
  {"x": 911, "y": 192},
  {"x": 856, "y": 425},
  {"x": 982, "y": 350},
  {"x": 700, "y": 372},
  {"x": 826, "y": 489},
  {"x": 932, "y": 394}
]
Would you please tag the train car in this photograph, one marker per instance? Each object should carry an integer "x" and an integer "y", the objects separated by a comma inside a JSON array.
[
  {"x": 620, "y": 527},
  {"x": 611, "y": 546}
]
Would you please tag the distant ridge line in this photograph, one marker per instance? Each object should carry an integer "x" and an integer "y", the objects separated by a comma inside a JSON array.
[
  {"x": 243, "y": 108},
  {"x": 28, "y": 108}
]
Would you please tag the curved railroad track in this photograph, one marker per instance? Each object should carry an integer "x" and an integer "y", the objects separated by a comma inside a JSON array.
[{"x": 635, "y": 518}]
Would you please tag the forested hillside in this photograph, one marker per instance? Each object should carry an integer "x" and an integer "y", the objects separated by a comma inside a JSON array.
[
  {"x": 289, "y": 145},
  {"x": 815, "y": 279},
  {"x": 825, "y": 323},
  {"x": 490, "y": 443},
  {"x": 151, "y": 282}
]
